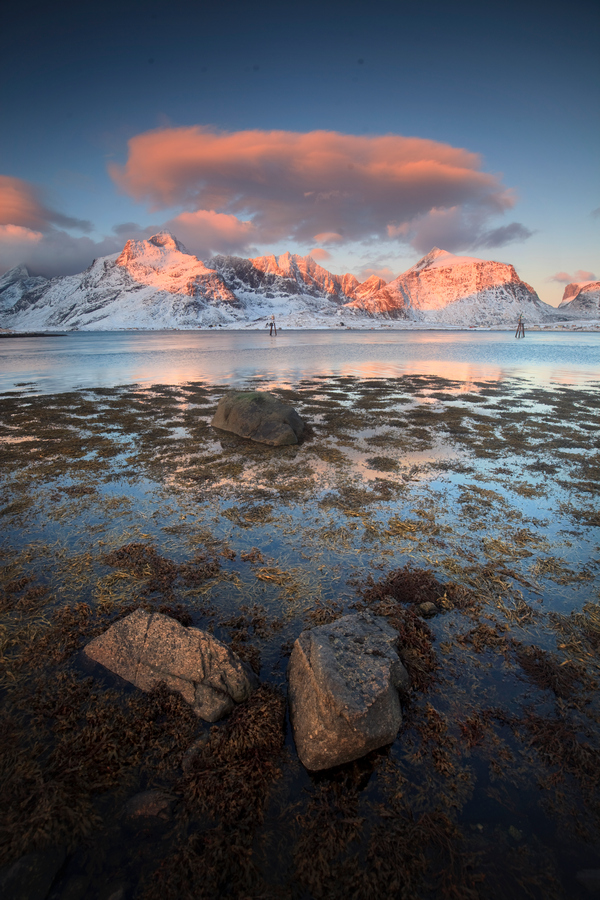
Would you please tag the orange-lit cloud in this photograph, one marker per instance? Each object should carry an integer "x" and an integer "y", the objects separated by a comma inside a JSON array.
[
  {"x": 579, "y": 275},
  {"x": 206, "y": 231},
  {"x": 381, "y": 271},
  {"x": 21, "y": 205},
  {"x": 319, "y": 255},
  {"x": 319, "y": 186},
  {"x": 29, "y": 233},
  {"x": 17, "y": 234},
  {"x": 328, "y": 237}
]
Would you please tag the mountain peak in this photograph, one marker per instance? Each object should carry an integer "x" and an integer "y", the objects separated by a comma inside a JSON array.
[
  {"x": 434, "y": 254},
  {"x": 439, "y": 259},
  {"x": 158, "y": 250},
  {"x": 168, "y": 241},
  {"x": 17, "y": 273}
]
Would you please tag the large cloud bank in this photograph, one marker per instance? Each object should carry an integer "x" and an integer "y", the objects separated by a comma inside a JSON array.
[
  {"x": 318, "y": 187},
  {"x": 245, "y": 191}
]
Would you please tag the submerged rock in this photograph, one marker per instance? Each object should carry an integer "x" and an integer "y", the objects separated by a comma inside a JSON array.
[
  {"x": 259, "y": 416},
  {"x": 149, "y": 805},
  {"x": 427, "y": 609},
  {"x": 147, "y": 648},
  {"x": 344, "y": 683}
]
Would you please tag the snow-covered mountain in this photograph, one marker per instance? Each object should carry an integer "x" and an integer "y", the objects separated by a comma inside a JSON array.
[
  {"x": 458, "y": 290},
  {"x": 157, "y": 283},
  {"x": 582, "y": 299},
  {"x": 150, "y": 284}
]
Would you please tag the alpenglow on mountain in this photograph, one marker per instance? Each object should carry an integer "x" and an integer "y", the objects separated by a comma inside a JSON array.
[
  {"x": 157, "y": 284},
  {"x": 582, "y": 298}
]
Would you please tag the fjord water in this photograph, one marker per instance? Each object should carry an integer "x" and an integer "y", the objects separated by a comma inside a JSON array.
[{"x": 56, "y": 363}]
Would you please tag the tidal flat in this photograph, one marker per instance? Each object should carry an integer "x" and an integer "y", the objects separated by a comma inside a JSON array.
[{"x": 481, "y": 498}]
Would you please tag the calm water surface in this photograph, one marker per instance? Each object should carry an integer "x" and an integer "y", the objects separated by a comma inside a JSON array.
[{"x": 104, "y": 359}]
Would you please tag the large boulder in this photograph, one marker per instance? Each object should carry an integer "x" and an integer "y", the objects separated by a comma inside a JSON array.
[
  {"x": 259, "y": 416},
  {"x": 147, "y": 648},
  {"x": 344, "y": 684}
]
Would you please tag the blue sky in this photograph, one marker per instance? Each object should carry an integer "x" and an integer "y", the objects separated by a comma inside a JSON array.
[{"x": 510, "y": 92}]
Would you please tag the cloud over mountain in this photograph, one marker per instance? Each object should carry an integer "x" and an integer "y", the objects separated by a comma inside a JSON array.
[
  {"x": 21, "y": 204},
  {"x": 577, "y": 277},
  {"x": 32, "y": 232},
  {"x": 305, "y": 187}
]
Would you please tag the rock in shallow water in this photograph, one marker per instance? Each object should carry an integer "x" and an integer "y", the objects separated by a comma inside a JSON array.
[
  {"x": 344, "y": 684},
  {"x": 147, "y": 648},
  {"x": 259, "y": 416}
]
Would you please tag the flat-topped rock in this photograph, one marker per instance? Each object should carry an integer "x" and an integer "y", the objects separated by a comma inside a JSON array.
[
  {"x": 148, "y": 648},
  {"x": 344, "y": 684},
  {"x": 259, "y": 416}
]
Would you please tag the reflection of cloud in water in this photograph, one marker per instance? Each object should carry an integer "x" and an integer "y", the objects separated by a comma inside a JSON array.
[
  {"x": 80, "y": 360},
  {"x": 450, "y": 370}
]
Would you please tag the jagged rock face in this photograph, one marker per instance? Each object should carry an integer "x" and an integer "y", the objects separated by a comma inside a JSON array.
[
  {"x": 368, "y": 288},
  {"x": 286, "y": 274},
  {"x": 458, "y": 290},
  {"x": 382, "y": 303},
  {"x": 306, "y": 273},
  {"x": 582, "y": 298},
  {"x": 17, "y": 282}
]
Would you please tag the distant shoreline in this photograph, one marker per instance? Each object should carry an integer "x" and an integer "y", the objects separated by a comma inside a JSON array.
[{"x": 577, "y": 326}]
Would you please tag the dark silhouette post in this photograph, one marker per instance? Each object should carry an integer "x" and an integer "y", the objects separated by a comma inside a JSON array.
[{"x": 520, "y": 332}]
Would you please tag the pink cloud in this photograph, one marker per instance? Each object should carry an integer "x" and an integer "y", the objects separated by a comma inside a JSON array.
[
  {"x": 28, "y": 233},
  {"x": 381, "y": 271},
  {"x": 319, "y": 255},
  {"x": 205, "y": 232},
  {"x": 328, "y": 237},
  {"x": 300, "y": 186},
  {"x": 21, "y": 204},
  {"x": 17, "y": 234},
  {"x": 579, "y": 275}
]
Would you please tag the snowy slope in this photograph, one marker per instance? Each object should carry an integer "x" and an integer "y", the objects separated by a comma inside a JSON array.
[
  {"x": 459, "y": 290},
  {"x": 582, "y": 299},
  {"x": 151, "y": 284},
  {"x": 15, "y": 283}
]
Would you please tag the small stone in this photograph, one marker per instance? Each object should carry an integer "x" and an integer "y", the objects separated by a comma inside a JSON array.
[
  {"x": 150, "y": 804},
  {"x": 193, "y": 752},
  {"x": 427, "y": 609}
]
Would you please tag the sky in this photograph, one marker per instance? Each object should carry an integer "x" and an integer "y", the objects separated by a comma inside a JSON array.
[{"x": 362, "y": 134}]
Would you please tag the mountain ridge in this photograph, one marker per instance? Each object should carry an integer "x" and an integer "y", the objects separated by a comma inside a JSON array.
[
  {"x": 157, "y": 283},
  {"x": 582, "y": 298}
]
